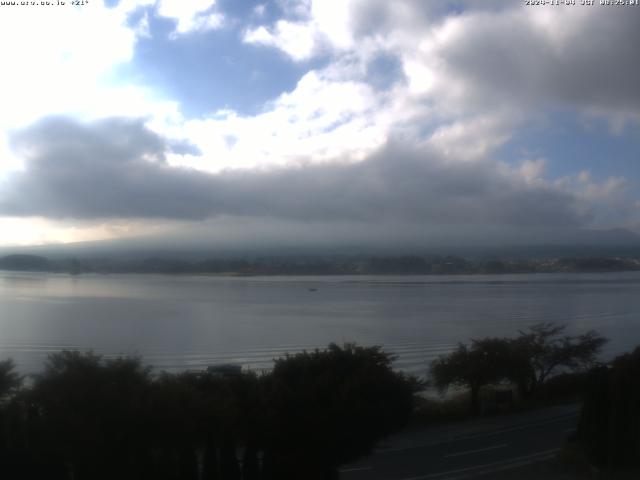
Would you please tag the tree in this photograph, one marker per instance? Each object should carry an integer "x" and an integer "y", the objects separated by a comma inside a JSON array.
[
  {"x": 90, "y": 413},
  {"x": 609, "y": 427},
  {"x": 541, "y": 351},
  {"x": 210, "y": 412},
  {"x": 330, "y": 407},
  {"x": 485, "y": 362},
  {"x": 528, "y": 360},
  {"x": 10, "y": 381}
]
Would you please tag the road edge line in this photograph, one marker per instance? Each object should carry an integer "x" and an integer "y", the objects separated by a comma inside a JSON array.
[{"x": 490, "y": 467}]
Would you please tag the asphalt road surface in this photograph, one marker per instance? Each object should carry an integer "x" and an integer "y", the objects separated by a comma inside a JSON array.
[{"x": 469, "y": 449}]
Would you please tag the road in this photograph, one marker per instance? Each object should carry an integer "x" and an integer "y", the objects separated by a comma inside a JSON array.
[{"x": 468, "y": 449}]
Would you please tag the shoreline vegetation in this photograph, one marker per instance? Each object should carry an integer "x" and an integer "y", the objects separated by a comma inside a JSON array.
[
  {"x": 323, "y": 265},
  {"x": 87, "y": 417}
]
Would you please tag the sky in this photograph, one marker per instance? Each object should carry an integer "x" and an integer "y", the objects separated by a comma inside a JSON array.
[{"x": 329, "y": 121}]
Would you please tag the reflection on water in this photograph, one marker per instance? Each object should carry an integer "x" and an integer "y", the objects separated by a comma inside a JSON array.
[{"x": 178, "y": 322}]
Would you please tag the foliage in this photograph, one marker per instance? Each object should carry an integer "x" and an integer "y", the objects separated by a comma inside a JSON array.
[
  {"x": 545, "y": 351},
  {"x": 528, "y": 361},
  {"x": 485, "y": 362},
  {"x": 87, "y": 406},
  {"x": 10, "y": 381},
  {"x": 609, "y": 425},
  {"x": 329, "y": 407},
  {"x": 87, "y": 417}
]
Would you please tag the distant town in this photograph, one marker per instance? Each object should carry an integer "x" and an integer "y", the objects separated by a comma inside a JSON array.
[{"x": 323, "y": 265}]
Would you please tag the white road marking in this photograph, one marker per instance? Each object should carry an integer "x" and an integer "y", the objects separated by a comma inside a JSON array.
[{"x": 469, "y": 452}]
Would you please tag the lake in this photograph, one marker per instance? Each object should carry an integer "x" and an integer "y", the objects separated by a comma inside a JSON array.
[{"x": 189, "y": 322}]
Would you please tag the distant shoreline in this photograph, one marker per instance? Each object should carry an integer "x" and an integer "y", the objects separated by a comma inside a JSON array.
[{"x": 324, "y": 265}]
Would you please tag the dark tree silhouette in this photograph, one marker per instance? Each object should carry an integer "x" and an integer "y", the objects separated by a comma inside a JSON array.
[
  {"x": 609, "y": 426},
  {"x": 87, "y": 417},
  {"x": 485, "y": 362},
  {"x": 329, "y": 407},
  {"x": 89, "y": 412},
  {"x": 10, "y": 428},
  {"x": 173, "y": 411},
  {"x": 10, "y": 380},
  {"x": 528, "y": 360},
  {"x": 544, "y": 350}
]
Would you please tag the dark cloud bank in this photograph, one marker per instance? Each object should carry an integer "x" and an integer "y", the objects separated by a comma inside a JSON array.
[
  {"x": 116, "y": 168},
  {"x": 592, "y": 62},
  {"x": 507, "y": 54}
]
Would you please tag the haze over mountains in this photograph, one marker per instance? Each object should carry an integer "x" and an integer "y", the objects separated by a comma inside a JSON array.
[{"x": 280, "y": 241}]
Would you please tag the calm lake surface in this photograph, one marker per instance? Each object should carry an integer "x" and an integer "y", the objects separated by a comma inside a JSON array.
[{"x": 189, "y": 322}]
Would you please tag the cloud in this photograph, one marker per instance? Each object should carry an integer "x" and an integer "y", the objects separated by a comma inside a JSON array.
[
  {"x": 117, "y": 168},
  {"x": 473, "y": 138},
  {"x": 296, "y": 40},
  {"x": 109, "y": 168},
  {"x": 43, "y": 74},
  {"x": 470, "y": 56},
  {"x": 611, "y": 203},
  {"x": 581, "y": 58},
  {"x": 317, "y": 27},
  {"x": 191, "y": 16},
  {"x": 346, "y": 144},
  {"x": 77, "y": 73},
  {"x": 472, "y": 76},
  {"x": 320, "y": 120}
]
